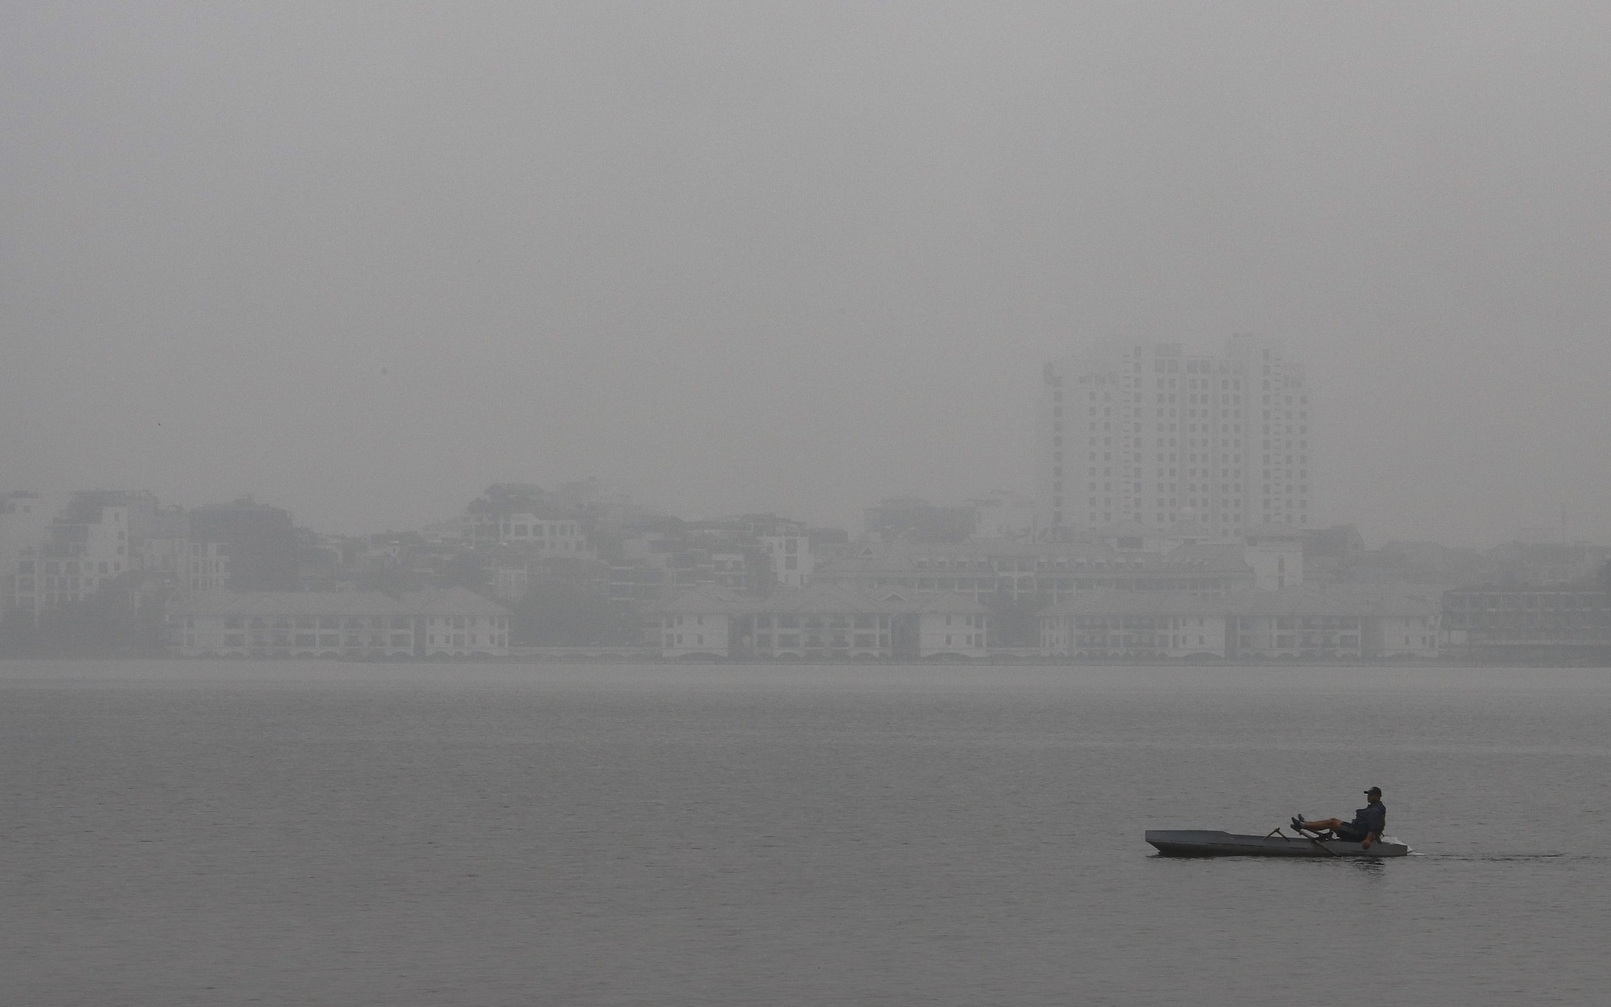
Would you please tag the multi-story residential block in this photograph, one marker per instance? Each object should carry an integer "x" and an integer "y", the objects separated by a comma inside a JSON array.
[
  {"x": 1300, "y": 623},
  {"x": 90, "y": 542},
  {"x": 324, "y": 624},
  {"x": 790, "y": 552},
  {"x": 24, "y": 527},
  {"x": 1275, "y": 552},
  {"x": 525, "y": 516},
  {"x": 541, "y": 536},
  {"x": 1151, "y": 434},
  {"x": 457, "y": 622},
  {"x": 704, "y": 620},
  {"x": 1523, "y": 623},
  {"x": 170, "y": 556},
  {"x": 820, "y": 622},
  {"x": 1127, "y": 624}
]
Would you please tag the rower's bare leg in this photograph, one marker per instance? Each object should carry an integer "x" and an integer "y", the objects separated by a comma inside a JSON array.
[{"x": 1324, "y": 823}]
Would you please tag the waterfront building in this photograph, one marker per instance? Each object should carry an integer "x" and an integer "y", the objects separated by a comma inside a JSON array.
[
  {"x": 703, "y": 620},
  {"x": 339, "y": 624},
  {"x": 1151, "y": 434},
  {"x": 1298, "y": 623},
  {"x": 820, "y": 622},
  {"x": 457, "y": 622},
  {"x": 1526, "y": 623},
  {"x": 90, "y": 542}
]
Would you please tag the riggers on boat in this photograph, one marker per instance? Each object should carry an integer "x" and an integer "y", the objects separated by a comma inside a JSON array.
[{"x": 1206, "y": 843}]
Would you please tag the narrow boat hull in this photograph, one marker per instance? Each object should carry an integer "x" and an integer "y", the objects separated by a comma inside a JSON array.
[{"x": 1204, "y": 843}]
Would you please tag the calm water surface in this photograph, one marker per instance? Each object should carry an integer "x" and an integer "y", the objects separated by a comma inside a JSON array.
[{"x": 223, "y": 833}]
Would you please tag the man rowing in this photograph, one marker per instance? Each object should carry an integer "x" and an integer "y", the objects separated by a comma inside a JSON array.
[{"x": 1367, "y": 827}]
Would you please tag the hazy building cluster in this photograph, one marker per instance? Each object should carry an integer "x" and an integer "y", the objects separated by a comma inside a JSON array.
[{"x": 1171, "y": 521}]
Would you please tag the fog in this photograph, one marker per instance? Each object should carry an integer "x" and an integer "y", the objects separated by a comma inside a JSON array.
[{"x": 364, "y": 259}]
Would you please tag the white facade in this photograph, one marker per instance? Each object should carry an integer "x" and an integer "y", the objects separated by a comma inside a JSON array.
[
  {"x": 821, "y": 622},
  {"x": 959, "y": 632},
  {"x": 791, "y": 558},
  {"x": 544, "y": 536},
  {"x": 688, "y": 633},
  {"x": 80, "y": 557},
  {"x": 1275, "y": 565},
  {"x": 464, "y": 635},
  {"x": 315, "y": 624},
  {"x": 24, "y": 524},
  {"x": 1404, "y": 636},
  {"x": 1166, "y": 634},
  {"x": 1151, "y": 434},
  {"x": 283, "y": 624},
  {"x": 194, "y": 566},
  {"x": 1295, "y": 623},
  {"x": 457, "y": 623}
]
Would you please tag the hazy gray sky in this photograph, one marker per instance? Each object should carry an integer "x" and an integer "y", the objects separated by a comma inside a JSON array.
[{"x": 364, "y": 259}]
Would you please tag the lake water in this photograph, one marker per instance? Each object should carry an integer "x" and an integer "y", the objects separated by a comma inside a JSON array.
[{"x": 222, "y": 833}]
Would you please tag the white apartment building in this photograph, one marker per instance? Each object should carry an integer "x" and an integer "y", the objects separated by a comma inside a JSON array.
[
  {"x": 1295, "y": 623},
  {"x": 89, "y": 544},
  {"x": 24, "y": 525},
  {"x": 821, "y": 622},
  {"x": 325, "y": 624},
  {"x": 1151, "y": 434},
  {"x": 790, "y": 554},
  {"x": 543, "y": 536},
  {"x": 193, "y": 566},
  {"x": 96, "y": 537}
]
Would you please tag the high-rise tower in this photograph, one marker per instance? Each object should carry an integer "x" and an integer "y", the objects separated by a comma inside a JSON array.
[{"x": 1149, "y": 433}]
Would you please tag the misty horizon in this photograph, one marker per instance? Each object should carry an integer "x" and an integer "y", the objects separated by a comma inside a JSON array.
[{"x": 363, "y": 262}]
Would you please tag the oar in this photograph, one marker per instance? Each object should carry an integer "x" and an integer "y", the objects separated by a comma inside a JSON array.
[{"x": 1316, "y": 840}]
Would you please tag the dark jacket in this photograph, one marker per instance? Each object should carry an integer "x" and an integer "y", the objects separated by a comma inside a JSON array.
[{"x": 1372, "y": 818}]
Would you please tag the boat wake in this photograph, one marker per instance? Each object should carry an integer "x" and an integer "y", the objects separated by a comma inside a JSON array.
[{"x": 1504, "y": 857}]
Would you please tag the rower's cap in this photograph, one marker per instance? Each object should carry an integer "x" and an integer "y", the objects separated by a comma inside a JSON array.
[{"x": 1374, "y": 790}]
